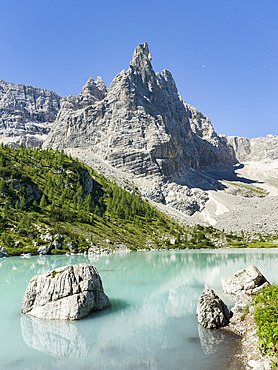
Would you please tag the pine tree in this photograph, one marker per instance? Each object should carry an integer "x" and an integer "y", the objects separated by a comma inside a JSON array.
[{"x": 43, "y": 202}]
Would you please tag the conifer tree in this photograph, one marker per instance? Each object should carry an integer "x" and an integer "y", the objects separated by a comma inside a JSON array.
[{"x": 43, "y": 202}]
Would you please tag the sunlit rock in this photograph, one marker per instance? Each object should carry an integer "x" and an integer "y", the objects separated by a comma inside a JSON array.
[
  {"x": 246, "y": 281},
  {"x": 67, "y": 293}
]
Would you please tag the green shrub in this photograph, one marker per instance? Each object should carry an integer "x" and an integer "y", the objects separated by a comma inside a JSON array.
[
  {"x": 59, "y": 251},
  {"x": 266, "y": 317},
  {"x": 17, "y": 251}
]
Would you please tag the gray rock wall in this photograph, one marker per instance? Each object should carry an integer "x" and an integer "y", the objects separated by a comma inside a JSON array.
[
  {"x": 255, "y": 150},
  {"x": 25, "y": 113}
]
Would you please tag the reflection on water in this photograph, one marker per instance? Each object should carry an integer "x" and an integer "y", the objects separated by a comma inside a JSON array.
[
  {"x": 56, "y": 338},
  {"x": 151, "y": 323},
  {"x": 210, "y": 339}
]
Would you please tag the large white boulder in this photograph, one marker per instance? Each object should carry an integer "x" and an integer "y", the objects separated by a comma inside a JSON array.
[
  {"x": 66, "y": 293},
  {"x": 247, "y": 281}
]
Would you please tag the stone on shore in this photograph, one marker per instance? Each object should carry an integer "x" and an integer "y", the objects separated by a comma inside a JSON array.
[
  {"x": 212, "y": 313},
  {"x": 3, "y": 252},
  {"x": 246, "y": 281},
  {"x": 66, "y": 293},
  {"x": 45, "y": 249}
]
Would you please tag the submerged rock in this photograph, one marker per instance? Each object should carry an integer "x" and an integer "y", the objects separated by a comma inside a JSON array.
[
  {"x": 66, "y": 293},
  {"x": 3, "y": 252},
  {"x": 246, "y": 281},
  {"x": 212, "y": 313}
]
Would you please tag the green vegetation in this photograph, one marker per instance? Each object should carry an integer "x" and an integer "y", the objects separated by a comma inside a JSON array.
[
  {"x": 266, "y": 317},
  {"x": 249, "y": 190},
  {"x": 238, "y": 244},
  {"x": 47, "y": 192}
]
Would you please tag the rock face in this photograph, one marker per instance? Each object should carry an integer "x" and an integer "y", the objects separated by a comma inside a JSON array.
[
  {"x": 3, "y": 252},
  {"x": 212, "y": 313},
  {"x": 255, "y": 150},
  {"x": 26, "y": 113},
  {"x": 67, "y": 293},
  {"x": 246, "y": 281},
  {"x": 139, "y": 124}
]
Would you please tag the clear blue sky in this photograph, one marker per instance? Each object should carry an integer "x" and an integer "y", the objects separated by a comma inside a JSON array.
[{"x": 223, "y": 54}]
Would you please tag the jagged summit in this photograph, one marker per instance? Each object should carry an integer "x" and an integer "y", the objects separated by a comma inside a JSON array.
[
  {"x": 141, "y": 58},
  {"x": 94, "y": 88},
  {"x": 140, "y": 124}
]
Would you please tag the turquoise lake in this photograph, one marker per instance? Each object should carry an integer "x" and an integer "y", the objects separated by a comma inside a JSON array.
[{"x": 150, "y": 325}]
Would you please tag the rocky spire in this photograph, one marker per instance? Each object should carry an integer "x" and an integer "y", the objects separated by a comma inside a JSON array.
[
  {"x": 140, "y": 68},
  {"x": 94, "y": 89},
  {"x": 141, "y": 56}
]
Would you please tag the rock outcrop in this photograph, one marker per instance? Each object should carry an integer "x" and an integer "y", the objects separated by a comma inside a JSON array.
[
  {"x": 212, "y": 313},
  {"x": 240, "y": 286},
  {"x": 26, "y": 113},
  {"x": 3, "y": 252},
  {"x": 255, "y": 150},
  {"x": 247, "y": 281},
  {"x": 66, "y": 293}
]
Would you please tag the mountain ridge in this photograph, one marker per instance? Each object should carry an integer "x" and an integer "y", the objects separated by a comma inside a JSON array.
[
  {"x": 140, "y": 133},
  {"x": 26, "y": 113},
  {"x": 152, "y": 130}
]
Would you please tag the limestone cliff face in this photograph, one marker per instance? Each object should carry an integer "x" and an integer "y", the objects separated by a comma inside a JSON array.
[
  {"x": 26, "y": 113},
  {"x": 255, "y": 150},
  {"x": 140, "y": 124}
]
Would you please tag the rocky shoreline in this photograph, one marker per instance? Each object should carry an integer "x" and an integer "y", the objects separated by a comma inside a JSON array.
[
  {"x": 212, "y": 313},
  {"x": 247, "y": 352}
]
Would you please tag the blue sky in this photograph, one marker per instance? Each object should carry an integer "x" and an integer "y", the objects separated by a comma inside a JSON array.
[{"x": 222, "y": 53}]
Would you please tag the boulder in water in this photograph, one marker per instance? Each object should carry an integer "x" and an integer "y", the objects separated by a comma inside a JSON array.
[
  {"x": 212, "y": 313},
  {"x": 66, "y": 293}
]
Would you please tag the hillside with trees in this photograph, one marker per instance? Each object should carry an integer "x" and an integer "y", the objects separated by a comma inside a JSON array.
[{"x": 51, "y": 200}]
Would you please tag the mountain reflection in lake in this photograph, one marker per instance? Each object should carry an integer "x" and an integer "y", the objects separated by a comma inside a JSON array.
[{"x": 151, "y": 323}]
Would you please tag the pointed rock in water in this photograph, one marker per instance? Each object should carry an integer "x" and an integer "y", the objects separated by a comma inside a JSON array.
[
  {"x": 247, "y": 281},
  {"x": 3, "y": 252},
  {"x": 212, "y": 313},
  {"x": 66, "y": 293}
]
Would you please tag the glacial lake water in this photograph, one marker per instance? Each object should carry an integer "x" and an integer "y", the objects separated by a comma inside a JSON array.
[{"x": 150, "y": 325}]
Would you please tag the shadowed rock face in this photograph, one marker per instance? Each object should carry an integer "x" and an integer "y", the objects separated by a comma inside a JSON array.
[
  {"x": 67, "y": 293},
  {"x": 212, "y": 313},
  {"x": 26, "y": 113},
  {"x": 140, "y": 124}
]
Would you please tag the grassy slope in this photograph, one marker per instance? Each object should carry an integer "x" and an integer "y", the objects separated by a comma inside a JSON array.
[
  {"x": 47, "y": 191},
  {"x": 266, "y": 317}
]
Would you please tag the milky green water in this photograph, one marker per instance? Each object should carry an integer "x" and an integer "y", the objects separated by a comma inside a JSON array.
[{"x": 151, "y": 324}]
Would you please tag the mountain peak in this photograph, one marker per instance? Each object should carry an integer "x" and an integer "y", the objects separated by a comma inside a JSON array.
[{"x": 141, "y": 56}]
